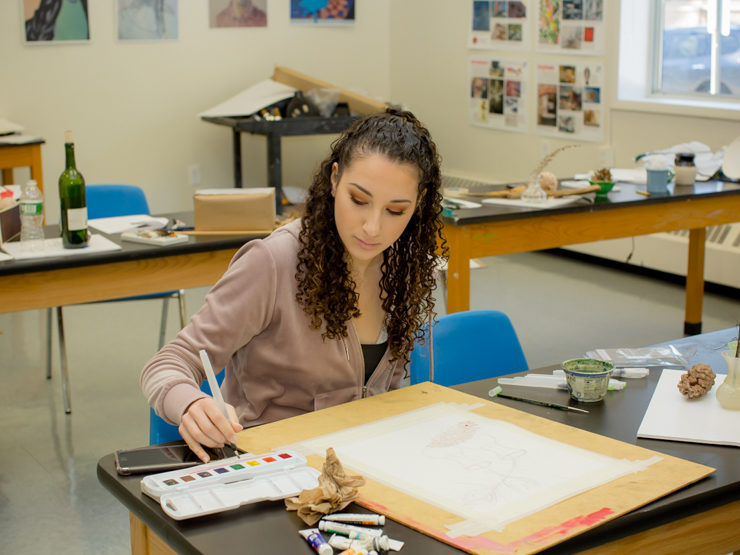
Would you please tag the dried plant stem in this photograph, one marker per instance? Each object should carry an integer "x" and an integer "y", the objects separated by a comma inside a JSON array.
[{"x": 547, "y": 159}]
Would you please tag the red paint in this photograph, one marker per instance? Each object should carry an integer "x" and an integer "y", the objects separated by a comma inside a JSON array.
[
  {"x": 481, "y": 542},
  {"x": 285, "y": 456}
]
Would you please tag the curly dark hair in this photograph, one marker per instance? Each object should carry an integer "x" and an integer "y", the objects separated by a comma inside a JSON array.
[{"x": 325, "y": 288}]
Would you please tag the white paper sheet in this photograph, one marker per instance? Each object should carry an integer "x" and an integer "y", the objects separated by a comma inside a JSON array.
[
  {"x": 251, "y": 100},
  {"x": 119, "y": 224},
  {"x": 488, "y": 471},
  {"x": 672, "y": 416},
  {"x": 548, "y": 203},
  {"x": 53, "y": 247}
]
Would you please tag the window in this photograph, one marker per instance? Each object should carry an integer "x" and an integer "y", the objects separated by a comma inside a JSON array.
[{"x": 696, "y": 48}]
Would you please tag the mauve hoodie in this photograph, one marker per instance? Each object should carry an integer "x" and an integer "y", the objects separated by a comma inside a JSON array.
[{"x": 251, "y": 324}]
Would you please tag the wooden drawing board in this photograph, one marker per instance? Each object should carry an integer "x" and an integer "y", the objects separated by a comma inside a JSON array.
[{"x": 526, "y": 535}]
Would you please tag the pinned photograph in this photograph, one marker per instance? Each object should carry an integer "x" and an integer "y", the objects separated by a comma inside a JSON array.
[
  {"x": 572, "y": 9},
  {"x": 593, "y": 10},
  {"x": 517, "y": 9},
  {"x": 570, "y": 98},
  {"x": 55, "y": 20},
  {"x": 515, "y": 31},
  {"x": 496, "y": 70},
  {"x": 567, "y": 74},
  {"x": 496, "y": 100},
  {"x": 571, "y": 37},
  {"x": 546, "y": 105},
  {"x": 514, "y": 88},
  {"x": 592, "y": 118},
  {"x": 237, "y": 13},
  {"x": 592, "y": 94},
  {"x": 481, "y": 16},
  {"x": 499, "y": 32},
  {"x": 479, "y": 87},
  {"x": 500, "y": 8},
  {"x": 588, "y": 34},
  {"x": 549, "y": 24},
  {"x": 511, "y": 105},
  {"x": 567, "y": 124}
]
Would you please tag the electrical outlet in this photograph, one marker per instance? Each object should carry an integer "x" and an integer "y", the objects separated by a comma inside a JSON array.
[
  {"x": 606, "y": 157},
  {"x": 194, "y": 176},
  {"x": 544, "y": 148}
]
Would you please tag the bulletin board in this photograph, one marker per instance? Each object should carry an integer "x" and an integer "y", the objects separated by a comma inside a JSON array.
[{"x": 651, "y": 476}]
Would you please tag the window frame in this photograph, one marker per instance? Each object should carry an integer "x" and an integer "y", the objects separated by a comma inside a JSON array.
[{"x": 638, "y": 65}]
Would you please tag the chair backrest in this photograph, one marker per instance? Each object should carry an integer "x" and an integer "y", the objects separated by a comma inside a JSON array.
[
  {"x": 469, "y": 346},
  {"x": 162, "y": 432},
  {"x": 105, "y": 201}
]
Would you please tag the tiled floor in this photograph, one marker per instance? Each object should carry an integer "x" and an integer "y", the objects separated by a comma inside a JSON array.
[{"x": 50, "y": 499}]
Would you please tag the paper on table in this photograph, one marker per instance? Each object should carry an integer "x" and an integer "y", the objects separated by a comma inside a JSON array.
[
  {"x": 548, "y": 203},
  {"x": 18, "y": 139},
  {"x": 53, "y": 247},
  {"x": 251, "y": 100},
  {"x": 134, "y": 222},
  {"x": 7, "y": 126},
  {"x": 672, "y": 416}
]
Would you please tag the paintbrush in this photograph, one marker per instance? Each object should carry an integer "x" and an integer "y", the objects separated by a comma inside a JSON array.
[
  {"x": 496, "y": 392},
  {"x": 216, "y": 391}
]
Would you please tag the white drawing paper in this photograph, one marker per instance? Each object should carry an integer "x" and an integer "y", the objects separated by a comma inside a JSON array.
[
  {"x": 500, "y": 25},
  {"x": 489, "y": 472},
  {"x": 498, "y": 93}
]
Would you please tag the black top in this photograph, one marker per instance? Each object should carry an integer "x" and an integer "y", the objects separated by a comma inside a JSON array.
[{"x": 372, "y": 355}]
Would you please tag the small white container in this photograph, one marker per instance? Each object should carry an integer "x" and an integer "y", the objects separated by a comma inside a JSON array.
[{"x": 587, "y": 378}]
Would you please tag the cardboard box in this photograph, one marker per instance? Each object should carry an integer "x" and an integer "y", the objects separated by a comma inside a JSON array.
[
  {"x": 10, "y": 222},
  {"x": 250, "y": 210}
]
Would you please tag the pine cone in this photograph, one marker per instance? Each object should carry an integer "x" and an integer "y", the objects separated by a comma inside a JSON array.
[{"x": 697, "y": 381}]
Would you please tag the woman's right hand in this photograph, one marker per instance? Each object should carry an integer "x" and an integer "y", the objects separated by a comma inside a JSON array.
[{"x": 204, "y": 424}]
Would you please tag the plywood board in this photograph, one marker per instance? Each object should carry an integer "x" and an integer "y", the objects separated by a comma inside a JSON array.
[{"x": 532, "y": 533}]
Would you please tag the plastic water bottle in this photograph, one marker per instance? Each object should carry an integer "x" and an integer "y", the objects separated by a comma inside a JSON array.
[{"x": 32, "y": 216}]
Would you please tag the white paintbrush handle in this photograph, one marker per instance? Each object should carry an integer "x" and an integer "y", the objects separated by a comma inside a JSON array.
[{"x": 213, "y": 383}]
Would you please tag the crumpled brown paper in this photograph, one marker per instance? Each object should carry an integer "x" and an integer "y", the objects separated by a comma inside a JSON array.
[{"x": 336, "y": 490}]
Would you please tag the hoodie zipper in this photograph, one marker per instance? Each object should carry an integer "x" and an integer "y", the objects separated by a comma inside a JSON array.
[{"x": 346, "y": 351}]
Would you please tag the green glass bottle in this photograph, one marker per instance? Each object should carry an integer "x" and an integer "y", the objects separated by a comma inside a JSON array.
[{"x": 72, "y": 199}]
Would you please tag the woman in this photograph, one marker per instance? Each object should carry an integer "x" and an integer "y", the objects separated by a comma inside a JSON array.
[{"x": 327, "y": 308}]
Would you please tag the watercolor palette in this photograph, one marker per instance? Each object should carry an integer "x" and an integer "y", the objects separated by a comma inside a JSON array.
[{"x": 229, "y": 483}]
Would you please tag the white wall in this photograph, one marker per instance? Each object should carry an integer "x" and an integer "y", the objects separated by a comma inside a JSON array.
[
  {"x": 133, "y": 105},
  {"x": 429, "y": 72}
]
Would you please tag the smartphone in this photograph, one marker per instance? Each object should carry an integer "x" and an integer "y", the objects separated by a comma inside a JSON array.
[{"x": 158, "y": 458}]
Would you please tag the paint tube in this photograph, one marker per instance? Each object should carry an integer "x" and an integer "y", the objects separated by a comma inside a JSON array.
[
  {"x": 380, "y": 543},
  {"x": 317, "y": 541},
  {"x": 347, "y": 529},
  {"x": 357, "y": 518}
]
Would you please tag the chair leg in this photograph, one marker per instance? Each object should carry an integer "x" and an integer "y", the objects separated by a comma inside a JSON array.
[
  {"x": 181, "y": 303},
  {"x": 49, "y": 316},
  {"x": 163, "y": 324},
  {"x": 63, "y": 360}
]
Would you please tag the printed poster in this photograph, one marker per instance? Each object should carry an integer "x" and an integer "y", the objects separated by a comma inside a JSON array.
[
  {"x": 322, "y": 12},
  {"x": 569, "y": 100},
  {"x": 500, "y": 24},
  {"x": 147, "y": 19},
  {"x": 572, "y": 26},
  {"x": 227, "y": 13},
  {"x": 498, "y": 93},
  {"x": 53, "y": 21}
]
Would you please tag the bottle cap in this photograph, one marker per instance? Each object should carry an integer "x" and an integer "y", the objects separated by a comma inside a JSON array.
[
  {"x": 68, "y": 136},
  {"x": 685, "y": 157}
]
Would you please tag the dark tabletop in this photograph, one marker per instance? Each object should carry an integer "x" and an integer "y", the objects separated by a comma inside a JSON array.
[
  {"x": 129, "y": 251},
  {"x": 268, "y": 528},
  {"x": 626, "y": 196}
]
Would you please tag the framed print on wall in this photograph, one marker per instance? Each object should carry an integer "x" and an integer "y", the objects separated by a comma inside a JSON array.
[
  {"x": 147, "y": 19},
  {"x": 55, "y": 21},
  {"x": 237, "y": 13},
  {"x": 322, "y": 12}
]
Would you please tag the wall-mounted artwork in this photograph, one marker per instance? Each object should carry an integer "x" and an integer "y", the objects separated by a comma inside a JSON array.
[
  {"x": 498, "y": 93},
  {"x": 237, "y": 13},
  {"x": 56, "y": 20},
  {"x": 569, "y": 100},
  {"x": 326, "y": 12},
  {"x": 500, "y": 24},
  {"x": 147, "y": 19},
  {"x": 571, "y": 26}
]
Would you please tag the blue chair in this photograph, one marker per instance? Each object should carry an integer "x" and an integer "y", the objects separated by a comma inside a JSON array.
[
  {"x": 162, "y": 432},
  {"x": 469, "y": 346},
  {"x": 104, "y": 201}
]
